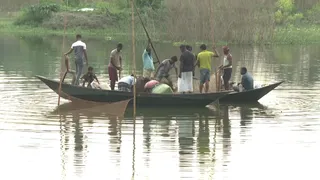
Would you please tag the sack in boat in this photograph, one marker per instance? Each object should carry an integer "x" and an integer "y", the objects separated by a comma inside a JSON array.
[
  {"x": 162, "y": 89},
  {"x": 151, "y": 84}
]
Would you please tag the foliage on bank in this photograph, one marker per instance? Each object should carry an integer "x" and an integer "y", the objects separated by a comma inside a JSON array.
[{"x": 268, "y": 21}]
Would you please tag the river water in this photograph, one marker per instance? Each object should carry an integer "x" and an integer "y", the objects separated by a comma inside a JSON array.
[{"x": 277, "y": 138}]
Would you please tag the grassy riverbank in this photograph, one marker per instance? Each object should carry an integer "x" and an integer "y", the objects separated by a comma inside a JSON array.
[
  {"x": 277, "y": 22},
  {"x": 282, "y": 35}
]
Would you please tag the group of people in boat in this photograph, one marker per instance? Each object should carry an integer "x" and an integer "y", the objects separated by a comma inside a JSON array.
[{"x": 159, "y": 80}]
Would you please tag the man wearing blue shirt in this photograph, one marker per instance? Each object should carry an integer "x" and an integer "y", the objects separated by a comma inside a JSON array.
[
  {"x": 148, "y": 64},
  {"x": 246, "y": 81}
]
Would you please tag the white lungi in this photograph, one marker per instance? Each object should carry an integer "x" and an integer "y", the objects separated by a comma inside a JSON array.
[{"x": 185, "y": 83}]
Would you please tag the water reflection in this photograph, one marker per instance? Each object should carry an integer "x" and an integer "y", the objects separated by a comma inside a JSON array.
[
  {"x": 79, "y": 145},
  {"x": 202, "y": 143}
]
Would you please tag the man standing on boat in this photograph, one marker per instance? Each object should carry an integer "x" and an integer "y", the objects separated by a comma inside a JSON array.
[
  {"x": 80, "y": 52},
  {"x": 226, "y": 67},
  {"x": 204, "y": 61},
  {"x": 148, "y": 64},
  {"x": 189, "y": 48},
  {"x": 185, "y": 80},
  {"x": 115, "y": 65}
]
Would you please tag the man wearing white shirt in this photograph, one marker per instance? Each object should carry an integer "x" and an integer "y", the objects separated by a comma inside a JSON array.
[{"x": 80, "y": 52}]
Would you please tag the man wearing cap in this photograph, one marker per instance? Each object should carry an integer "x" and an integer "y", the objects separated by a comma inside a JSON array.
[{"x": 226, "y": 67}]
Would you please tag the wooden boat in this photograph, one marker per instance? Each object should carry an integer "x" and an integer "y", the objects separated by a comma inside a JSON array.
[
  {"x": 249, "y": 96},
  {"x": 71, "y": 92}
]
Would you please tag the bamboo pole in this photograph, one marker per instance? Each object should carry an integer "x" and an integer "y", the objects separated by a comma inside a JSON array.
[
  {"x": 213, "y": 41},
  {"x": 145, "y": 30},
  {"x": 133, "y": 58},
  {"x": 64, "y": 37}
]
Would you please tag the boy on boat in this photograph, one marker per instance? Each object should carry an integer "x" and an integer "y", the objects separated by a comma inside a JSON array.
[
  {"x": 126, "y": 83},
  {"x": 204, "y": 61},
  {"x": 115, "y": 65},
  {"x": 186, "y": 73},
  {"x": 89, "y": 78},
  {"x": 80, "y": 52},
  {"x": 164, "y": 69}
]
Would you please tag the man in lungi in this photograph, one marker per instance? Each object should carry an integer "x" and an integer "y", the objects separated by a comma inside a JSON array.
[
  {"x": 186, "y": 73},
  {"x": 115, "y": 65}
]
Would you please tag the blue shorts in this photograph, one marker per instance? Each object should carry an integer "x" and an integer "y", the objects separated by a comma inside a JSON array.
[{"x": 204, "y": 75}]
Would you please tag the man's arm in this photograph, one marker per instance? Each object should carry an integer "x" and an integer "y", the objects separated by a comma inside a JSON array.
[
  {"x": 181, "y": 66},
  {"x": 197, "y": 62},
  {"x": 176, "y": 69},
  {"x": 120, "y": 60},
  {"x": 95, "y": 77},
  {"x": 71, "y": 49},
  {"x": 242, "y": 80},
  {"x": 85, "y": 55},
  {"x": 194, "y": 60},
  {"x": 158, "y": 68},
  {"x": 216, "y": 54}
]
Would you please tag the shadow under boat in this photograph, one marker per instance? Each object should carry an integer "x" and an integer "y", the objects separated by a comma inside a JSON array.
[
  {"x": 71, "y": 107},
  {"x": 212, "y": 110}
]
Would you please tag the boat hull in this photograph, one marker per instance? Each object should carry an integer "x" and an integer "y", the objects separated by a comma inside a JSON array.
[
  {"x": 249, "y": 96},
  {"x": 71, "y": 92}
]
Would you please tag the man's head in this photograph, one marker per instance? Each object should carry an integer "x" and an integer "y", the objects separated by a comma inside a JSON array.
[
  {"x": 148, "y": 49},
  {"x": 225, "y": 50},
  {"x": 78, "y": 36},
  {"x": 182, "y": 48},
  {"x": 90, "y": 69},
  {"x": 203, "y": 47},
  {"x": 243, "y": 70},
  {"x": 189, "y": 48},
  {"x": 173, "y": 59},
  {"x": 119, "y": 47},
  {"x": 132, "y": 75}
]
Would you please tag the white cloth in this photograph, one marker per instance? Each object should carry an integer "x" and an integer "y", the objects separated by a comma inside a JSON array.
[
  {"x": 95, "y": 85},
  {"x": 185, "y": 83}
]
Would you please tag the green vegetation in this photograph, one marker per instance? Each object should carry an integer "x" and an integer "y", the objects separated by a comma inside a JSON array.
[{"x": 265, "y": 22}]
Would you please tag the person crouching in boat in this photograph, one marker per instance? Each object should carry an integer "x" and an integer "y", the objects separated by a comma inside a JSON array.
[
  {"x": 164, "y": 68},
  {"x": 246, "y": 81},
  {"x": 89, "y": 78},
  {"x": 126, "y": 83}
]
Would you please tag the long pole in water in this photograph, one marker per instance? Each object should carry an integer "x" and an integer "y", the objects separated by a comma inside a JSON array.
[
  {"x": 145, "y": 30},
  {"x": 64, "y": 37},
  {"x": 133, "y": 58},
  {"x": 213, "y": 44}
]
